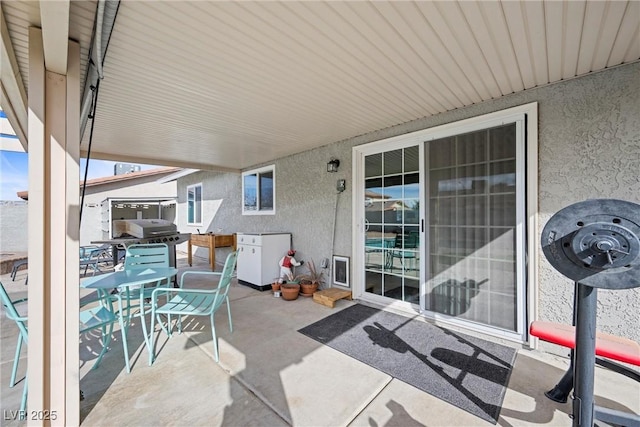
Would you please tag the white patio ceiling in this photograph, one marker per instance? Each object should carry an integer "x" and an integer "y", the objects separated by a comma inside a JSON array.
[{"x": 213, "y": 85}]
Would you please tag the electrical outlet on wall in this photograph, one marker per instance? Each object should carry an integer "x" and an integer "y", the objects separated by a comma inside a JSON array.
[{"x": 341, "y": 186}]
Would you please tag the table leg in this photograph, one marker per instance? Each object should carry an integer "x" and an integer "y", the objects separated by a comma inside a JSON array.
[
  {"x": 148, "y": 336},
  {"x": 189, "y": 252},
  {"x": 123, "y": 326},
  {"x": 212, "y": 252}
]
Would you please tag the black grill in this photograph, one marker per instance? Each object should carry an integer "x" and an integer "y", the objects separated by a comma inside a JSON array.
[{"x": 120, "y": 244}]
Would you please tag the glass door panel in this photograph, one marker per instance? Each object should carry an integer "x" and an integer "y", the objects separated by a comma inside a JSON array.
[
  {"x": 392, "y": 234},
  {"x": 471, "y": 261}
]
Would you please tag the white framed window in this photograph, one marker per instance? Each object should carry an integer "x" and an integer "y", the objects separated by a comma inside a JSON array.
[
  {"x": 259, "y": 191},
  {"x": 194, "y": 204}
]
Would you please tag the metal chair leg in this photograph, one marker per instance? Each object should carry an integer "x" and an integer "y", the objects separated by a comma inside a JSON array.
[{"x": 16, "y": 359}]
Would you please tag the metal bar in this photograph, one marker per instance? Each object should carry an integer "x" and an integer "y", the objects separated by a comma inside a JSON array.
[
  {"x": 618, "y": 368},
  {"x": 585, "y": 356},
  {"x": 561, "y": 391},
  {"x": 615, "y": 417}
]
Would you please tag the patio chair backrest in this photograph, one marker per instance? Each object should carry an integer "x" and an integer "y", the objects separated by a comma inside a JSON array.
[
  {"x": 212, "y": 299},
  {"x": 92, "y": 251},
  {"x": 91, "y": 256},
  {"x": 147, "y": 255},
  {"x": 225, "y": 279}
]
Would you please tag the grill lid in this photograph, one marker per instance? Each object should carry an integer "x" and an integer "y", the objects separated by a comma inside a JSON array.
[{"x": 143, "y": 228}]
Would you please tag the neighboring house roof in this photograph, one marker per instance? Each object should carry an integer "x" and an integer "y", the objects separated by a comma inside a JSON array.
[
  {"x": 374, "y": 195},
  {"x": 389, "y": 205},
  {"x": 116, "y": 178}
]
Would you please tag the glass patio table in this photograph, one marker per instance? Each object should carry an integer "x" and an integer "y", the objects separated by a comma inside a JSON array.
[{"x": 124, "y": 281}]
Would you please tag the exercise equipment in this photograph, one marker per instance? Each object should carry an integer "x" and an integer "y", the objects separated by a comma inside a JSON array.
[{"x": 596, "y": 243}]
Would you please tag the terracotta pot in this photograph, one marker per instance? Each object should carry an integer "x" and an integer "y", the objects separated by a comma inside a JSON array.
[
  {"x": 308, "y": 289},
  {"x": 289, "y": 291},
  {"x": 275, "y": 286}
]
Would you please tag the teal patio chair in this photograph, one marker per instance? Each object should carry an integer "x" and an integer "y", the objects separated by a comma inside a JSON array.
[
  {"x": 406, "y": 250},
  {"x": 100, "y": 317},
  {"x": 136, "y": 298},
  {"x": 92, "y": 256},
  {"x": 147, "y": 255},
  {"x": 194, "y": 302},
  {"x": 16, "y": 266},
  {"x": 16, "y": 310}
]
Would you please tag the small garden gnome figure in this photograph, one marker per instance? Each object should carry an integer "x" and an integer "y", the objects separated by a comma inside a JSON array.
[{"x": 287, "y": 262}]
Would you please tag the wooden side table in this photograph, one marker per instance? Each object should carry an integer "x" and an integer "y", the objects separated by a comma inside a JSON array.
[{"x": 211, "y": 241}]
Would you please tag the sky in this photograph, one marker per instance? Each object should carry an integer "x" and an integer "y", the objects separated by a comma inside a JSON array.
[
  {"x": 14, "y": 164},
  {"x": 14, "y": 172}
]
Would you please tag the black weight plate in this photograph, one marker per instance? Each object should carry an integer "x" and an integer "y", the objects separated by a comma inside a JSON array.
[{"x": 610, "y": 222}]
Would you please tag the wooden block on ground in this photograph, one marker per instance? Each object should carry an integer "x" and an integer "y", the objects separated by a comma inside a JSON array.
[{"x": 329, "y": 296}]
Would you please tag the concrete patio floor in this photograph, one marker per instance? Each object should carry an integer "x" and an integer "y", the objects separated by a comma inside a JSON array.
[{"x": 271, "y": 375}]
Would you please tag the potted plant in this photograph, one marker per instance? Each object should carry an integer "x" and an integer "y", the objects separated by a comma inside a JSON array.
[
  {"x": 275, "y": 285},
  {"x": 311, "y": 281},
  {"x": 290, "y": 288}
]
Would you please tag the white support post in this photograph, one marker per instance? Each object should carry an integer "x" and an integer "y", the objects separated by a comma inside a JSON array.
[
  {"x": 53, "y": 365},
  {"x": 72, "y": 241}
]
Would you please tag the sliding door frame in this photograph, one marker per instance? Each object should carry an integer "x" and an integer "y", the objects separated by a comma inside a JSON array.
[{"x": 527, "y": 226}]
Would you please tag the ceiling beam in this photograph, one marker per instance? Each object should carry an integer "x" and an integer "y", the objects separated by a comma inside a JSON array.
[
  {"x": 12, "y": 90},
  {"x": 54, "y": 17},
  {"x": 154, "y": 161}
]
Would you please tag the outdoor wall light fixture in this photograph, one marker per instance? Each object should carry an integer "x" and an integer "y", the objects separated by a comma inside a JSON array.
[{"x": 332, "y": 165}]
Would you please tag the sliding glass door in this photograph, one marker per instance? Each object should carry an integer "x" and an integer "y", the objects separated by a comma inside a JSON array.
[{"x": 443, "y": 223}]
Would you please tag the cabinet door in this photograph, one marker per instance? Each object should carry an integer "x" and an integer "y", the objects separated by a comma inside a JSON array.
[
  {"x": 249, "y": 268},
  {"x": 274, "y": 248},
  {"x": 243, "y": 263}
]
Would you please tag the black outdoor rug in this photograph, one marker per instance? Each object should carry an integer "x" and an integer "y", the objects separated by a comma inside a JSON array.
[{"x": 465, "y": 371}]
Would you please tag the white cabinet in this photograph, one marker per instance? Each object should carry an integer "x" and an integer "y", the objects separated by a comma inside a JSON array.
[{"x": 258, "y": 257}]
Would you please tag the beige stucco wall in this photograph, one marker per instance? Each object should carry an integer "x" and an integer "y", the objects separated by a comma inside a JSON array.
[
  {"x": 13, "y": 226},
  {"x": 589, "y": 147}
]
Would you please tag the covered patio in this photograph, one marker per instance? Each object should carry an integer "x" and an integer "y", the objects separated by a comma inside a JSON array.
[
  {"x": 230, "y": 88},
  {"x": 271, "y": 375}
]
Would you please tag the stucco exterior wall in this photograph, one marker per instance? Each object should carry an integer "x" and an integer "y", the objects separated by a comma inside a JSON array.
[
  {"x": 589, "y": 147},
  {"x": 305, "y": 204},
  {"x": 13, "y": 226},
  {"x": 220, "y": 207}
]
